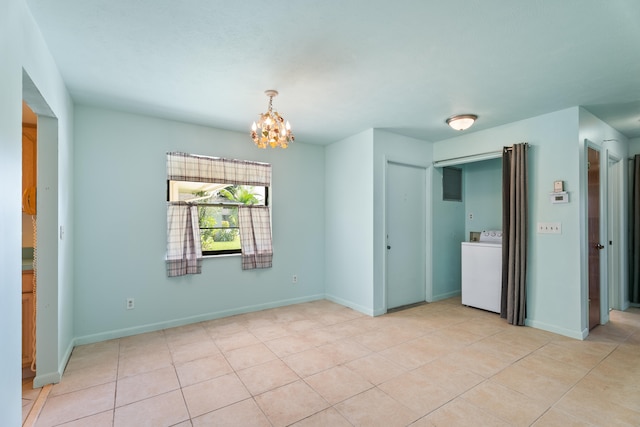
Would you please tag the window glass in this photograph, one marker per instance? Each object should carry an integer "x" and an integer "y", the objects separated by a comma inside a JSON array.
[{"x": 218, "y": 211}]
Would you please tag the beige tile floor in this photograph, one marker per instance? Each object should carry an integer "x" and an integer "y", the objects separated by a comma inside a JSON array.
[{"x": 321, "y": 364}]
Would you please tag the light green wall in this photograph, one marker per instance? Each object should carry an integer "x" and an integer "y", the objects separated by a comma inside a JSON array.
[
  {"x": 121, "y": 227},
  {"x": 448, "y": 233},
  {"x": 10, "y": 215},
  {"x": 483, "y": 195},
  {"x": 554, "y": 285},
  {"x": 23, "y": 50},
  {"x": 556, "y": 294},
  {"x": 348, "y": 207},
  {"x": 51, "y": 101},
  {"x": 354, "y": 206}
]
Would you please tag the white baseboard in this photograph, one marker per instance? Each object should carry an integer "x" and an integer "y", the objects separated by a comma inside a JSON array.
[
  {"x": 579, "y": 335},
  {"x": 364, "y": 310},
  {"x": 135, "y": 330},
  {"x": 42, "y": 379},
  {"x": 48, "y": 378},
  {"x": 440, "y": 297}
]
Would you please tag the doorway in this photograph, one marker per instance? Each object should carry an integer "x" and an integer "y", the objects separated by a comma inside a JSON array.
[
  {"x": 47, "y": 329},
  {"x": 29, "y": 210},
  {"x": 406, "y": 189}
]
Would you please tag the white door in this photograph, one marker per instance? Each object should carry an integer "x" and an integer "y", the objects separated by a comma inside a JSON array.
[{"x": 406, "y": 234}]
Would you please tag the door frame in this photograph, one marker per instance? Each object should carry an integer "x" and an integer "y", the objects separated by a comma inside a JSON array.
[
  {"x": 602, "y": 210},
  {"x": 427, "y": 227},
  {"x": 49, "y": 365},
  {"x": 616, "y": 252},
  {"x": 602, "y": 228}
]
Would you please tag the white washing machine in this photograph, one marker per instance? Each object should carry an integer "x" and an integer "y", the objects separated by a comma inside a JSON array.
[{"x": 482, "y": 271}]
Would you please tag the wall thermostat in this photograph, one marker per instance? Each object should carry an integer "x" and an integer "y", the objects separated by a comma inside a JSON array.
[{"x": 559, "y": 197}]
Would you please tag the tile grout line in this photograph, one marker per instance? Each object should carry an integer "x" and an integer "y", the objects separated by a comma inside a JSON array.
[
  {"x": 175, "y": 370},
  {"x": 115, "y": 391},
  {"x": 617, "y": 344},
  {"x": 552, "y": 406}
]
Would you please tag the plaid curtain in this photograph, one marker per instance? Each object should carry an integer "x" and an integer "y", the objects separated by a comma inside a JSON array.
[
  {"x": 255, "y": 237},
  {"x": 184, "y": 250},
  {"x": 184, "y": 253},
  {"x": 190, "y": 167}
]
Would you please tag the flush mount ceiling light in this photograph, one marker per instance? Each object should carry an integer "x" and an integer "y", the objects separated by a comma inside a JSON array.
[
  {"x": 271, "y": 128},
  {"x": 461, "y": 121}
]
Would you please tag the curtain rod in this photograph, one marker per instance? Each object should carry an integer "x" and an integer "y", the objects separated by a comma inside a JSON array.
[
  {"x": 467, "y": 159},
  {"x": 225, "y": 159},
  {"x": 474, "y": 157},
  {"x": 510, "y": 147}
]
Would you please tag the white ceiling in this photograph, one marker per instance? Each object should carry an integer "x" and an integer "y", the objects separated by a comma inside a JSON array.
[{"x": 343, "y": 66}]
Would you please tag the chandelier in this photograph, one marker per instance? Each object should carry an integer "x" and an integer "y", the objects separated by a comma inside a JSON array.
[{"x": 271, "y": 128}]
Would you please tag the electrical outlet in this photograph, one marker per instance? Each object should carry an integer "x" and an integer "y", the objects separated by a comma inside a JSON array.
[
  {"x": 471, "y": 216},
  {"x": 131, "y": 303},
  {"x": 294, "y": 278}
]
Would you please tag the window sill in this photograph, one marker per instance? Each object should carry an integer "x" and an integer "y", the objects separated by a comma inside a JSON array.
[{"x": 220, "y": 256}]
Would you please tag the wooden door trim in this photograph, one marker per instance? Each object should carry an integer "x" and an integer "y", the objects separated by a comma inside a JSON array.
[{"x": 594, "y": 235}]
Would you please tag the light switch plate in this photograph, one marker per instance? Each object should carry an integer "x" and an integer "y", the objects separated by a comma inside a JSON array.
[{"x": 549, "y": 228}]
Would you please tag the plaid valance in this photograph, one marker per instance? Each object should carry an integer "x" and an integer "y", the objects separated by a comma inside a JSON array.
[{"x": 195, "y": 168}]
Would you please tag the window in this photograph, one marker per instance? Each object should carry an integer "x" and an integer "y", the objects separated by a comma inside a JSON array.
[
  {"x": 217, "y": 205},
  {"x": 222, "y": 198}
]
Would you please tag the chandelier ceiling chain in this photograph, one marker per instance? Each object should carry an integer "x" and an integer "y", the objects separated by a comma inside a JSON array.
[{"x": 271, "y": 128}]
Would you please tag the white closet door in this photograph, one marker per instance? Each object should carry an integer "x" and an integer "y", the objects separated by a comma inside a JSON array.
[{"x": 406, "y": 234}]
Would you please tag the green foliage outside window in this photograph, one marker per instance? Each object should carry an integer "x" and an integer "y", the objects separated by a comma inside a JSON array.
[{"x": 219, "y": 222}]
